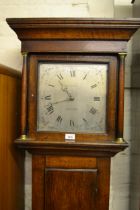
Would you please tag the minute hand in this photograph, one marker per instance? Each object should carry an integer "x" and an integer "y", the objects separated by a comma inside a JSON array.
[{"x": 68, "y": 99}]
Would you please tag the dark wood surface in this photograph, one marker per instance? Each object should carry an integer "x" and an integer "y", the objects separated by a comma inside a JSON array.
[
  {"x": 70, "y": 182},
  {"x": 24, "y": 97},
  {"x": 96, "y": 149},
  {"x": 103, "y": 166},
  {"x": 70, "y": 162},
  {"x": 121, "y": 96},
  {"x": 73, "y": 28},
  {"x": 11, "y": 159},
  {"x": 9, "y": 72},
  {"x": 74, "y": 46},
  {"x": 38, "y": 185},
  {"x": 111, "y": 96},
  {"x": 70, "y": 189}
]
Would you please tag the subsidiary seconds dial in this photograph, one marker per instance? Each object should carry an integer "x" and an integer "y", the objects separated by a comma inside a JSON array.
[{"x": 72, "y": 97}]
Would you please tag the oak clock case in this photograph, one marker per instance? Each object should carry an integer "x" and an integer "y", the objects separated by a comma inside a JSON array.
[
  {"x": 73, "y": 95},
  {"x": 72, "y": 107}
]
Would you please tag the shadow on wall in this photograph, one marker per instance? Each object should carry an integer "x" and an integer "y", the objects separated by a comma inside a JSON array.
[
  {"x": 123, "y": 11},
  {"x": 135, "y": 118}
]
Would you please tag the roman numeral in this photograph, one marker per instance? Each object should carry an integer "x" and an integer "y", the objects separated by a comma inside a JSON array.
[
  {"x": 48, "y": 97},
  {"x": 71, "y": 123},
  {"x": 92, "y": 110},
  {"x": 93, "y": 86},
  {"x": 85, "y": 76},
  {"x": 60, "y": 76},
  {"x": 59, "y": 119},
  {"x": 96, "y": 98},
  {"x": 85, "y": 121},
  {"x": 72, "y": 73},
  {"x": 51, "y": 85},
  {"x": 50, "y": 108}
]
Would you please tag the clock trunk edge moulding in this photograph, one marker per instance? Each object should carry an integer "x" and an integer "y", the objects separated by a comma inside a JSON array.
[{"x": 72, "y": 107}]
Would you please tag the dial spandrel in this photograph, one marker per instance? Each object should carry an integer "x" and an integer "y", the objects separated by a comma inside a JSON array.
[{"x": 72, "y": 97}]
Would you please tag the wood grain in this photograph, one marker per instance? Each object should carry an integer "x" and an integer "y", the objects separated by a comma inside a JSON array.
[
  {"x": 38, "y": 177},
  {"x": 67, "y": 189},
  {"x": 67, "y": 185},
  {"x": 11, "y": 160},
  {"x": 103, "y": 166},
  {"x": 70, "y": 162},
  {"x": 96, "y": 149},
  {"x": 9, "y": 72},
  {"x": 121, "y": 96},
  {"x": 24, "y": 97},
  {"x": 73, "y": 28},
  {"x": 74, "y": 46}
]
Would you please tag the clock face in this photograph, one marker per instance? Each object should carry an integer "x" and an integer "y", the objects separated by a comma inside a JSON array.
[{"x": 72, "y": 97}]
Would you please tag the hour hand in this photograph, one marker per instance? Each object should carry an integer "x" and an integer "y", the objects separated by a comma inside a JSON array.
[{"x": 65, "y": 89}]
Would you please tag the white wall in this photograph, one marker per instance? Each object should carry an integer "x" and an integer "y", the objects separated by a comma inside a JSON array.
[
  {"x": 135, "y": 115},
  {"x": 128, "y": 188},
  {"x": 120, "y": 170},
  {"x": 123, "y": 8},
  {"x": 10, "y": 46}
]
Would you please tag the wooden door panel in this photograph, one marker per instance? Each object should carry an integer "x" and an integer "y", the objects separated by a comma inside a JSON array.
[{"x": 67, "y": 189}]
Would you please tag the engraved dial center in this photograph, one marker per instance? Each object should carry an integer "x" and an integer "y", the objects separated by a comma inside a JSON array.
[{"x": 72, "y": 97}]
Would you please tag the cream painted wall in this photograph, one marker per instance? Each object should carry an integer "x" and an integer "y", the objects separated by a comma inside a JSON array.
[
  {"x": 10, "y": 45},
  {"x": 135, "y": 116},
  {"x": 120, "y": 170},
  {"x": 123, "y": 8},
  {"x": 10, "y": 56},
  {"x": 127, "y": 192},
  {"x": 122, "y": 2}
]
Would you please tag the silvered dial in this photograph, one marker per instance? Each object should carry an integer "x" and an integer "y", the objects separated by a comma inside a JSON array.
[{"x": 72, "y": 97}]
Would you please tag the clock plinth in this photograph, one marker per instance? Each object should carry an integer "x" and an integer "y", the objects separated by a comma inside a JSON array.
[{"x": 72, "y": 107}]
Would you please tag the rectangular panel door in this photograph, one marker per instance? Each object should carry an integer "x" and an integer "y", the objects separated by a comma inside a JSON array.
[{"x": 67, "y": 189}]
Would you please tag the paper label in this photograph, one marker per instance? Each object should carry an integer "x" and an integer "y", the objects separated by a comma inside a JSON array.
[{"x": 70, "y": 137}]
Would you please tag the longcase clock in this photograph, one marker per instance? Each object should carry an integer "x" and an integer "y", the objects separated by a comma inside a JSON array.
[{"x": 72, "y": 107}]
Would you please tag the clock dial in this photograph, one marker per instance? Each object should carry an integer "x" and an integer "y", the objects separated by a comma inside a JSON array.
[{"x": 72, "y": 97}]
